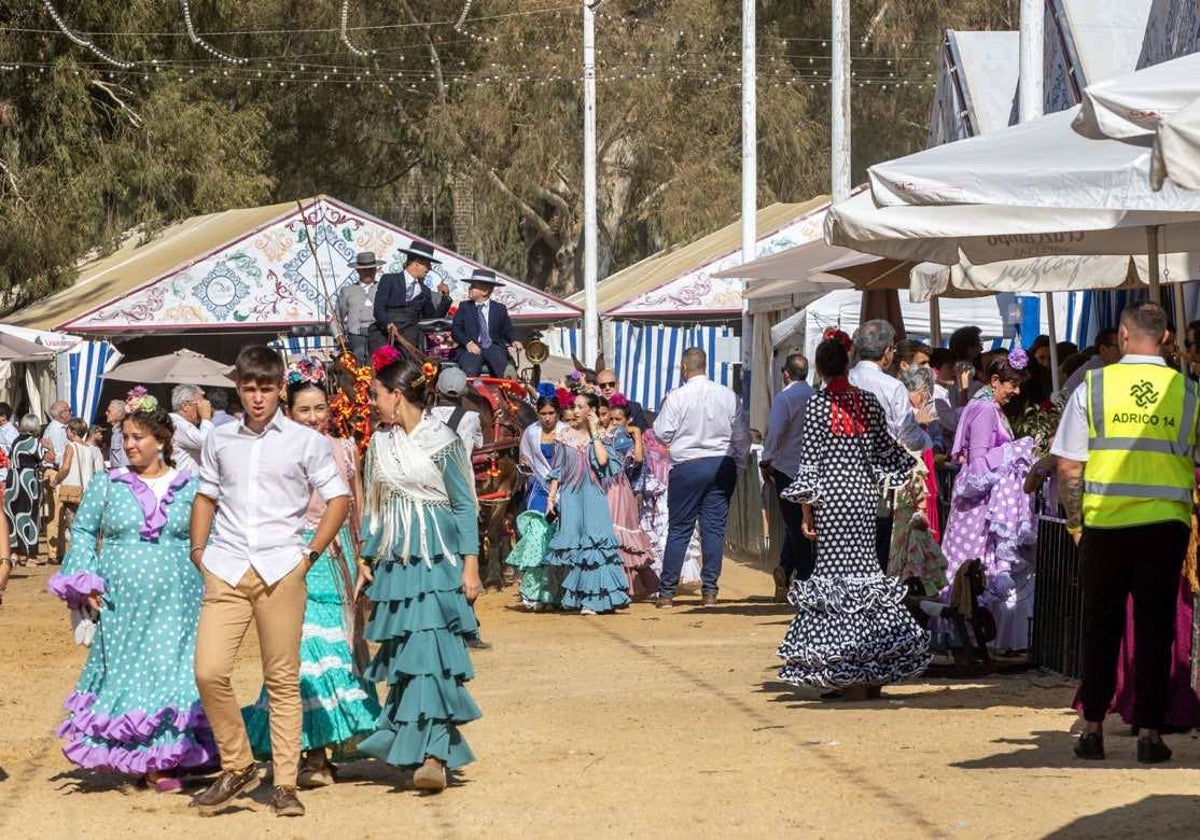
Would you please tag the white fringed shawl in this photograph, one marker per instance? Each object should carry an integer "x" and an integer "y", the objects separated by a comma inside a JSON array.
[{"x": 404, "y": 477}]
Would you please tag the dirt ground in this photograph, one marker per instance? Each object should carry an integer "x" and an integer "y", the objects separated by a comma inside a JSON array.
[{"x": 637, "y": 725}]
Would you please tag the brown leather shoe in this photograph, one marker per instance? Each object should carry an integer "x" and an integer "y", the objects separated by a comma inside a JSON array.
[
  {"x": 431, "y": 777},
  {"x": 230, "y": 784},
  {"x": 285, "y": 803},
  {"x": 709, "y": 600},
  {"x": 664, "y": 603},
  {"x": 780, "y": 576}
]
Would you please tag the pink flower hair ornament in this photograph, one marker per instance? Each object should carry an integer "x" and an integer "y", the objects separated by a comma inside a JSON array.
[
  {"x": 138, "y": 399},
  {"x": 1018, "y": 359},
  {"x": 618, "y": 400},
  {"x": 306, "y": 370}
]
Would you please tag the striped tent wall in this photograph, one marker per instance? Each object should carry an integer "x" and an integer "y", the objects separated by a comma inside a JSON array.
[
  {"x": 646, "y": 356},
  {"x": 87, "y": 362},
  {"x": 296, "y": 346}
]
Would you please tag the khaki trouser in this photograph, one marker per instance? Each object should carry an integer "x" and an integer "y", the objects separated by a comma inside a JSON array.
[
  {"x": 50, "y": 508},
  {"x": 278, "y": 614}
]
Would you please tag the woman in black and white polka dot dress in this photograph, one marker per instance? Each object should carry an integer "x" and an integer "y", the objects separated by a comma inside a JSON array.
[{"x": 851, "y": 631}]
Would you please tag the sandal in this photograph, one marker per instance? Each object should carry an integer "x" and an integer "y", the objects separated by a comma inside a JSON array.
[{"x": 168, "y": 784}]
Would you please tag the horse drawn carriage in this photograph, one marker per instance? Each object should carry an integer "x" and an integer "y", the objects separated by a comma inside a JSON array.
[{"x": 504, "y": 412}]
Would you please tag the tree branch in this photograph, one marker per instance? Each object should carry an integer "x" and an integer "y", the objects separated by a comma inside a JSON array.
[{"x": 134, "y": 118}]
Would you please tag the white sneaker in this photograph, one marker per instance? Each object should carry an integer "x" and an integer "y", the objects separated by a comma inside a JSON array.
[{"x": 586, "y": 611}]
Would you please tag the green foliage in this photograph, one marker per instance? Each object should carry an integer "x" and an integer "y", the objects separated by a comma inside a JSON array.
[{"x": 474, "y": 140}]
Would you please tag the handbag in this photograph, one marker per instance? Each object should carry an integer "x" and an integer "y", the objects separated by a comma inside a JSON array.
[{"x": 70, "y": 494}]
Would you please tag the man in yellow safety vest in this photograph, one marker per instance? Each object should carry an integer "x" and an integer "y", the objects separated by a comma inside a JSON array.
[{"x": 1126, "y": 450}]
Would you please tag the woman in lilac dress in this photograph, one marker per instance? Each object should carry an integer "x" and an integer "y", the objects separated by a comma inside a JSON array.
[{"x": 991, "y": 516}]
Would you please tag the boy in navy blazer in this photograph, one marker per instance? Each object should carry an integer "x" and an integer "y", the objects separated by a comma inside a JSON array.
[{"x": 482, "y": 328}]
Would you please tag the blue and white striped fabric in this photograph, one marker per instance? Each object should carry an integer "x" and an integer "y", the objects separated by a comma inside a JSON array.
[
  {"x": 294, "y": 346},
  {"x": 87, "y": 362},
  {"x": 646, "y": 356}
]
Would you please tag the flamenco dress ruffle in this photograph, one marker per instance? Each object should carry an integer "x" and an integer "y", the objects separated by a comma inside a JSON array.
[
  {"x": 339, "y": 706},
  {"x": 851, "y": 630},
  {"x": 420, "y": 618}
]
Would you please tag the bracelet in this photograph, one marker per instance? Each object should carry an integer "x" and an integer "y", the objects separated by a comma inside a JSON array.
[
  {"x": 1074, "y": 530},
  {"x": 194, "y": 550}
]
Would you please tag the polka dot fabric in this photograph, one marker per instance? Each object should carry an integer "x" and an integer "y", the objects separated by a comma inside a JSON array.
[
  {"x": 136, "y": 707},
  {"x": 850, "y": 626}
]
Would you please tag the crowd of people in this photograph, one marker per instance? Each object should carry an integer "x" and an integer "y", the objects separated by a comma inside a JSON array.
[
  {"x": 188, "y": 524},
  {"x": 854, "y": 465}
]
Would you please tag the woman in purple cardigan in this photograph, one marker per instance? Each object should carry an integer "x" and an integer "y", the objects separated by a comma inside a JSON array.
[{"x": 991, "y": 516}]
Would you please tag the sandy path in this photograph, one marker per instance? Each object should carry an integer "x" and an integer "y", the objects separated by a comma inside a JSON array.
[{"x": 641, "y": 724}]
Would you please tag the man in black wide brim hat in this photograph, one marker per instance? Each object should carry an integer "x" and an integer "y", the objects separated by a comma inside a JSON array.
[
  {"x": 404, "y": 300},
  {"x": 482, "y": 328}
]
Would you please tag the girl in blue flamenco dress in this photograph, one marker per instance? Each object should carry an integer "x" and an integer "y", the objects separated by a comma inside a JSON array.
[
  {"x": 420, "y": 571},
  {"x": 135, "y": 710},
  {"x": 584, "y": 543}
]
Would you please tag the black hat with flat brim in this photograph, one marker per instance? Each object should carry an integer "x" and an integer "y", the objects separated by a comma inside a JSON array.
[
  {"x": 366, "y": 259},
  {"x": 484, "y": 277},
  {"x": 421, "y": 251}
]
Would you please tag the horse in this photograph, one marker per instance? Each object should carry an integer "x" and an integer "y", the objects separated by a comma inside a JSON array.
[{"x": 504, "y": 413}]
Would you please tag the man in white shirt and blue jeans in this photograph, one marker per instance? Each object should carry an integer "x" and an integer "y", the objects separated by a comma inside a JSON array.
[
  {"x": 256, "y": 479},
  {"x": 702, "y": 423}
]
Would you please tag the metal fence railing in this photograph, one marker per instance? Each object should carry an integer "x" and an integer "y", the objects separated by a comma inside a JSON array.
[{"x": 1056, "y": 637}]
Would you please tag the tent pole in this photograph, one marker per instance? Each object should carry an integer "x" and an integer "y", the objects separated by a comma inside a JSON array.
[
  {"x": 591, "y": 264},
  {"x": 935, "y": 322},
  {"x": 1181, "y": 322},
  {"x": 1152, "y": 259},
  {"x": 1054, "y": 377}
]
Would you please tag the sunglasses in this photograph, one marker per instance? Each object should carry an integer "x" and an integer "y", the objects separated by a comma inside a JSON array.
[{"x": 607, "y": 384}]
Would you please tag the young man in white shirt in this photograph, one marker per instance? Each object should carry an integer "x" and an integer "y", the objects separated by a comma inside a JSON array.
[
  {"x": 451, "y": 386},
  {"x": 702, "y": 423},
  {"x": 256, "y": 479}
]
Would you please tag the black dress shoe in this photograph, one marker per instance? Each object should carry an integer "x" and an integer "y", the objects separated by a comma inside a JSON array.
[
  {"x": 1091, "y": 746},
  {"x": 1152, "y": 752}
]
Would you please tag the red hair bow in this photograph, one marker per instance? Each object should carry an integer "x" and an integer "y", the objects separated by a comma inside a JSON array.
[{"x": 839, "y": 336}]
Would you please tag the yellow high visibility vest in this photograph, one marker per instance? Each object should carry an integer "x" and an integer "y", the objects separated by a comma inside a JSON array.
[{"x": 1141, "y": 438}]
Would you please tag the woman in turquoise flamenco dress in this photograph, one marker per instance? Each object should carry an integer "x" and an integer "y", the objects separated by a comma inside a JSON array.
[
  {"x": 420, "y": 571},
  {"x": 339, "y": 705},
  {"x": 135, "y": 710},
  {"x": 539, "y": 590},
  {"x": 584, "y": 543}
]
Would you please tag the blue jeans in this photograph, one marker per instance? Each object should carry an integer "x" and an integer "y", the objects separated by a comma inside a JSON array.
[{"x": 698, "y": 489}]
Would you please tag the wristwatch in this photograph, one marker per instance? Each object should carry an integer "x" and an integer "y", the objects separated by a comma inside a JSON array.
[{"x": 311, "y": 556}]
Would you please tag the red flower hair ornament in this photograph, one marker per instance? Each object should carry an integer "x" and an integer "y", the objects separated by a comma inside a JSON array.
[
  {"x": 384, "y": 357},
  {"x": 839, "y": 336}
]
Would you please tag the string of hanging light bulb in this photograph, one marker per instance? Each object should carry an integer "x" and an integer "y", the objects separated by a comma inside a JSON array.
[
  {"x": 86, "y": 43},
  {"x": 201, "y": 43}
]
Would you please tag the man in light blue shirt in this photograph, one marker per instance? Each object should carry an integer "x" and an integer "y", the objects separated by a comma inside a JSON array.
[
  {"x": 779, "y": 463},
  {"x": 56, "y": 430},
  {"x": 8, "y": 434},
  {"x": 114, "y": 415}
]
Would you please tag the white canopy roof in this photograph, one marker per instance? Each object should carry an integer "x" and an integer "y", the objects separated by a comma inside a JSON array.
[
  {"x": 1134, "y": 105},
  {"x": 1041, "y": 163},
  {"x": 984, "y": 234}
]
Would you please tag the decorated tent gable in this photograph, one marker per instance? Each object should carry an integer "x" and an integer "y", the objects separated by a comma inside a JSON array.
[
  {"x": 699, "y": 290},
  {"x": 268, "y": 277}
]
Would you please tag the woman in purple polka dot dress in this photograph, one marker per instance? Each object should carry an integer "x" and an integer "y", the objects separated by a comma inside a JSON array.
[{"x": 991, "y": 516}]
